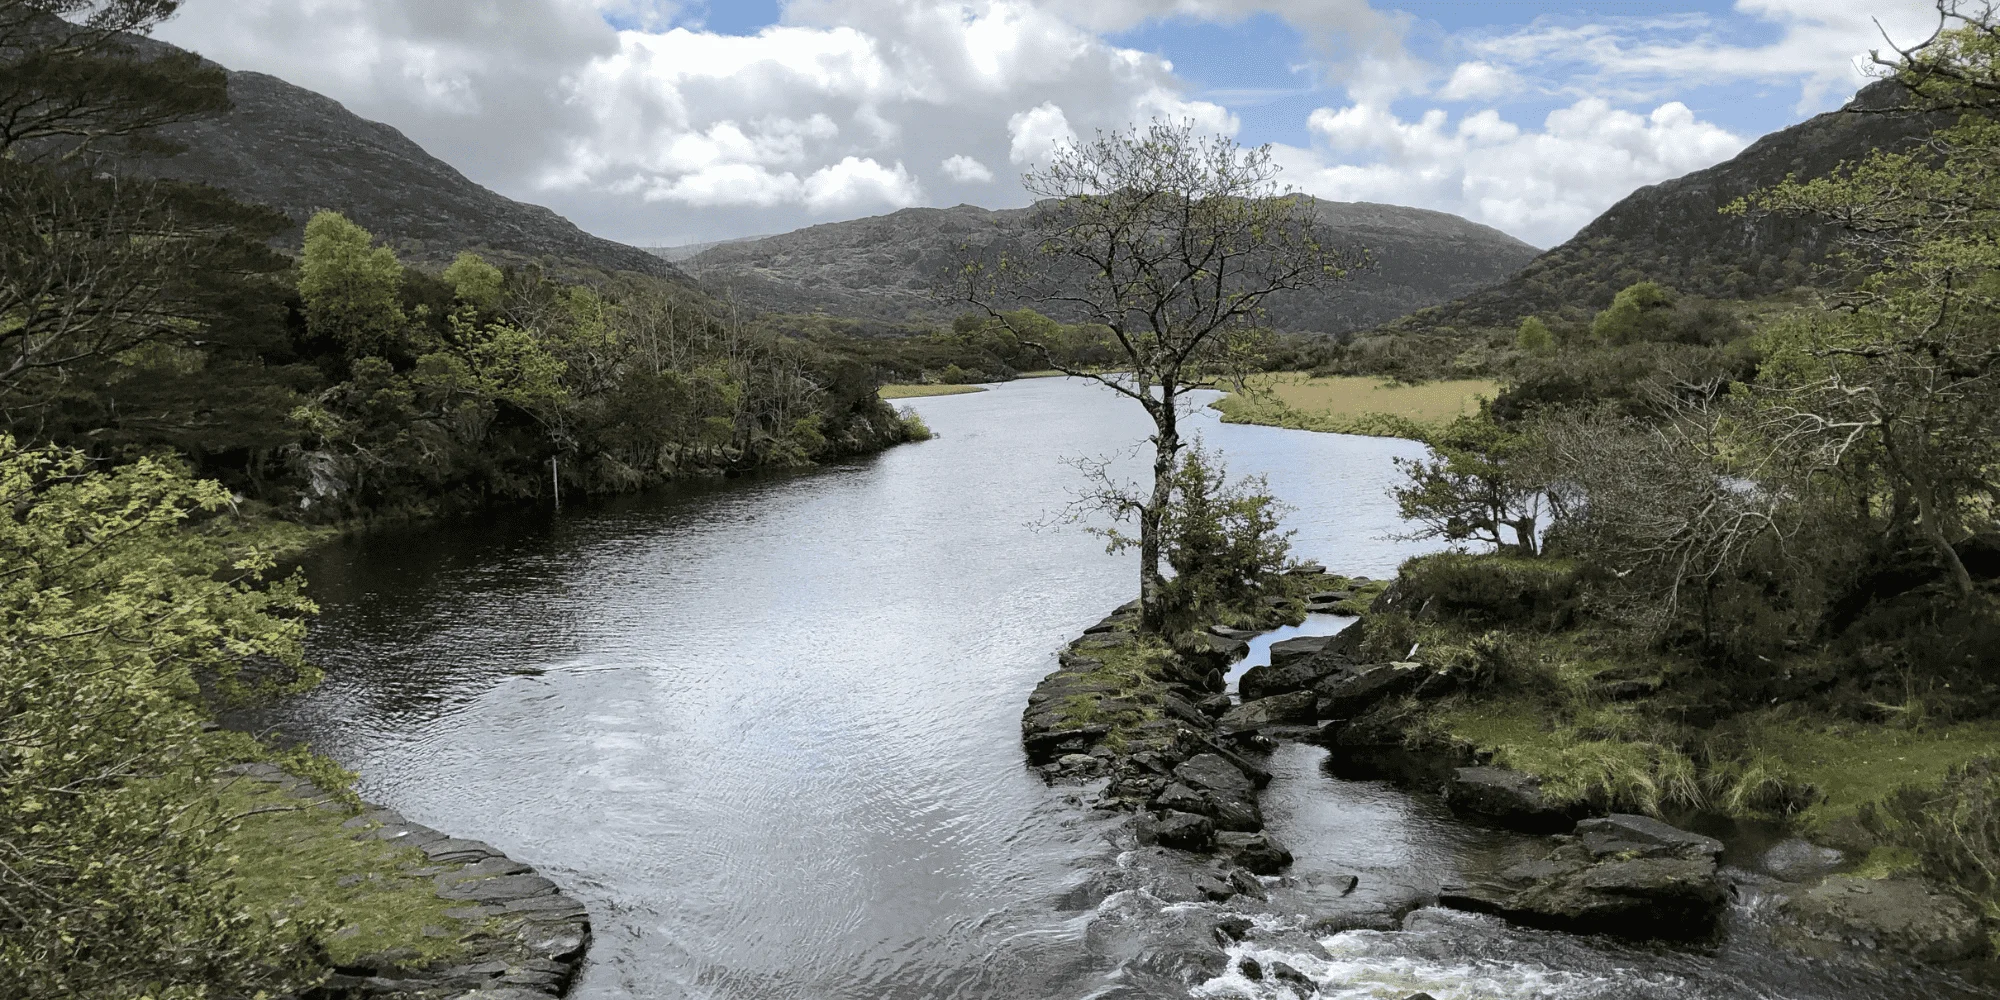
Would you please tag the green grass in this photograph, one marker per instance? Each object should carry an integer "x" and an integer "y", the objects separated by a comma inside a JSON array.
[
  {"x": 1354, "y": 405},
  {"x": 293, "y": 859},
  {"x": 910, "y": 391},
  {"x": 1849, "y": 765}
]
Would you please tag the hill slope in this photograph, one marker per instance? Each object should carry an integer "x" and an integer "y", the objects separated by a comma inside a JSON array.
[
  {"x": 880, "y": 268},
  {"x": 299, "y": 151},
  {"x": 1674, "y": 232}
]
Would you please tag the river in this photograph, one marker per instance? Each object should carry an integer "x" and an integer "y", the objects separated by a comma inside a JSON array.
[{"x": 768, "y": 731}]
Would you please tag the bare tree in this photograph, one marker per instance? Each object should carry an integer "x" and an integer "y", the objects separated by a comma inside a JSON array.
[{"x": 1172, "y": 242}]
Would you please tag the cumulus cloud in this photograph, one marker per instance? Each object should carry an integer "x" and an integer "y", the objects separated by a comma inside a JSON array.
[
  {"x": 641, "y": 125},
  {"x": 1037, "y": 133},
  {"x": 1479, "y": 81},
  {"x": 966, "y": 170},
  {"x": 1540, "y": 185}
]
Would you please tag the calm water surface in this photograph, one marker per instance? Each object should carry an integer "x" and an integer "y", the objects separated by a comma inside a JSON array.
[{"x": 768, "y": 731}]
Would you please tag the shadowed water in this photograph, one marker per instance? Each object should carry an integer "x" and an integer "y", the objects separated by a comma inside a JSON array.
[{"x": 768, "y": 731}]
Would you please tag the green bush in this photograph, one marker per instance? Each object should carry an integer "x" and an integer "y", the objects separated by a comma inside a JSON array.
[{"x": 1490, "y": 589}]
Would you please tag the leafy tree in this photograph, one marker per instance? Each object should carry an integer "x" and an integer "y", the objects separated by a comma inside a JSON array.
[
  {"x": 1221, "y": 538},
  {"x": 476, "y": 282},
  {"x": 1639, "y": 312},
  {"x": 1480, "y": 483},
  {"x": 116, "y": 610},
  {"x": 71, "y": 80},
  {"x": 1171, "y": 243},
  {"x": 352, "y": 288},
  {"x": 1534, "y": 337}
]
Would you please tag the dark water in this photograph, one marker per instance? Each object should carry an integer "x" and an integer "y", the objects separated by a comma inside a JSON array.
[{"x": 769, "y": 731}]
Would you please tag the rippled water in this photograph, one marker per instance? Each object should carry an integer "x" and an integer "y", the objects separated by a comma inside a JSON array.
[{"x": 769, "y": 730}]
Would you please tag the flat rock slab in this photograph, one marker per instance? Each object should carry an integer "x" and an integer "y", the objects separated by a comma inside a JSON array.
[
  {"x": 1295, "y": 674},
  {"x": 1210, "y": 772},
  {"x": 1636, "y": 897},
  {"x": 1907, "y": 916},
  {"x": 1344, "y": 694},
  {"x": 1292, "y": 708},
  {"x": 1286, "y": 650},
  {"x": 499, "y": 889},
  {"x": 1626, "y": 833}
]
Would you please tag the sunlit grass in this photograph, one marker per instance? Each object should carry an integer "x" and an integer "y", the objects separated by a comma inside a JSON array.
[
  {"x": 1354, "y": 405},
  {"x": 909, "y": 391}
]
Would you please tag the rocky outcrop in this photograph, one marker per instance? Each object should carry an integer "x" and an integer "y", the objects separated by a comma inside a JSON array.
[
  {"x": 1507, "y": 798},
  {"x": 524, "y": 939},
  {"x": 1627, "y": 875},
  {"x": 1300, "y": 666},
  {"x": 1899, "y": 916}
]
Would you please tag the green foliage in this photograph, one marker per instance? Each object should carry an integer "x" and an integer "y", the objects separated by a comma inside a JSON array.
[
  {"x": 1492, "y": 590},
  {"x": 1221, "y": 538},
  {"x": 117, "y": 612},
  {"x": 1480, "y": 483},
  {"x": 477, "y": 283},
  {"x": 1638, "y": 312},
  {"x": 352, "y": 288},
  {"x": 1533, "y": 336}
]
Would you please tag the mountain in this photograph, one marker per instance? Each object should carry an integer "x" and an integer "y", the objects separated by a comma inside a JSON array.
[
  {"x": 1675, "y": 232},
  {"x": 299, "y": 152},
  {"x": 880, "y": 268}
]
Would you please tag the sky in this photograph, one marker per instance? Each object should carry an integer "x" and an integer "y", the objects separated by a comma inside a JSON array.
[{"x": 663, "y": 122}]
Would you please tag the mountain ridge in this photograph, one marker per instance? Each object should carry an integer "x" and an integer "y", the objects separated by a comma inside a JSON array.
[
  {"x": 1674, "y": 231},
  {"x": 880, "y": 268},
  {"x": 300, "y": 151}
]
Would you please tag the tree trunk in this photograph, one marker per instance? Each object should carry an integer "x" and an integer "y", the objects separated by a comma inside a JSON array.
[{"x": 1166, "y": 445}]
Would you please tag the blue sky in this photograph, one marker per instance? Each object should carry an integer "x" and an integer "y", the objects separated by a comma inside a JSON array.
[{"x": 667, "y": 121}]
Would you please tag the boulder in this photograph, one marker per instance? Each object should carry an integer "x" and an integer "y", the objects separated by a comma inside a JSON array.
[
  {"x": 1210, "y": 772},
  {"x": 1302, "y": 647},
  {"x": 1294, "y": 674},
  {"x": 1643, "y": 836},
  {"x": 1254, "y": 851},
  {"x": 1186, "y": 831},
  {"x": 1666, "y": 895},
  {"x": 1347, "y": 693},
  {"x": 1227, "y": 632},
  {"x": 1215, "y": 705},
  {"x": 1294, "y": 708},
  {"x": 1509, "y": 798},
  {"x": 1906, "y": 916}
]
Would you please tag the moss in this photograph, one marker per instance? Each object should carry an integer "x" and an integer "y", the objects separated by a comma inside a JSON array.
[
  {"x": 1887, "y": 861},
  {"x": 295, "y": 860},
  {"x": 1575, "y": 764}
]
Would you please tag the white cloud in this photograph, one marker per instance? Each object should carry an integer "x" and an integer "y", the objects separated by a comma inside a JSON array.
[
  {"x": 857, "y": 182},
  {"x": 1539, "y": 185},
  {"x": 1822, "y": 45},
  {"x": 966, "y": 170},
  {"x": 1478, "y": 81},
  {"x": 1037, "y": 133}
]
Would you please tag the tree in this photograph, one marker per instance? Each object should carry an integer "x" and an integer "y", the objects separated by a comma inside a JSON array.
[
  {"x": 1902, "y": 382},
  {"x": 1480, "y": 483},
  {"x": 1534, "y": 336},
  {"x": 1640, "y": 311},
  {"x": 115, "y": 613},
  {"x": 1171, "y": 242},
  {"x": 71, "y": 80},
  {"x": 352, "y": 288}
]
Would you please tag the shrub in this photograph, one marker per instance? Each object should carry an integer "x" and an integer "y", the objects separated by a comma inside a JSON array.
[{"x": 1492, "y": 589}]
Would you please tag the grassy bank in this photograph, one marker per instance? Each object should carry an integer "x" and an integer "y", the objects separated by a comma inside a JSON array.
[
  {"x": 1353, "y": 405},
  {"x": 911, "y": 391},
  {"x": 1531, "y": 681}
]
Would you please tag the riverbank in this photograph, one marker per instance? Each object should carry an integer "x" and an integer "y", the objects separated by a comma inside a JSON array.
[
  {"x": 1352, "y": 404},
  {"x": 915, "y": 391},
  {"x": 1533, "y": 716},
  {"x": 408, "y": 911}
]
